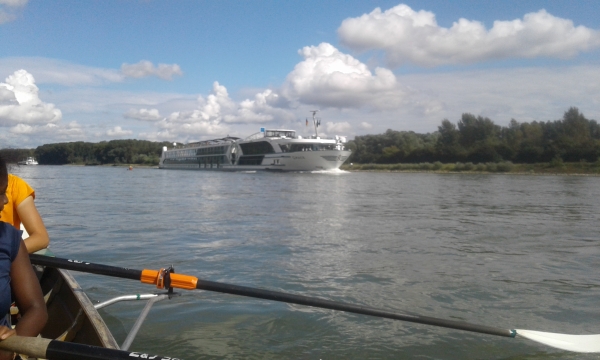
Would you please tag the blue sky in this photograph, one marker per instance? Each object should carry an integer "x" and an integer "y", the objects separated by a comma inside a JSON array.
[{"x": 193, "y": 70}]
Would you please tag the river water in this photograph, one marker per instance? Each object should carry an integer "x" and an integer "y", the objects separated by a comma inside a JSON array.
[{"x": 509, "y": 251}]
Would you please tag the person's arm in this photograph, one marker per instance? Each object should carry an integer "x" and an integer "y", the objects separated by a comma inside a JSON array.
[
  {"x": 28, "y": 295},
  {"x": 32, "y": 221},
  {"x": 29, "y": 299},
  {"x": 5, "y": 333}
]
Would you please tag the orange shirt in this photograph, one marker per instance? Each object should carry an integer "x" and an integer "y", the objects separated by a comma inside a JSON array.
[{"x": 17, "y": 191}]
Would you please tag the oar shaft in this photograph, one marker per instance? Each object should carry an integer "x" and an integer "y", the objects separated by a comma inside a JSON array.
[
  {"x": 334, "y": 305},
  {"x": 271, "y": 295},
  {"x": 87, "y": 267},
  {"x": 62, "y": 350},
  {"x": 32, "y": 347}
]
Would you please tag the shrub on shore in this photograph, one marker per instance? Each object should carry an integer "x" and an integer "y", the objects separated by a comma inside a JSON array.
[{"x": 554, "y": 167}]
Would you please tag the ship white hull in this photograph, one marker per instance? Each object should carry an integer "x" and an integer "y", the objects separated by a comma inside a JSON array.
[{"x": 296, "y": 161}]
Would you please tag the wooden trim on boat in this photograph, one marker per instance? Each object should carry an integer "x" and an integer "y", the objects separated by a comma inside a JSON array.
[{"x": 71, "y": 315}]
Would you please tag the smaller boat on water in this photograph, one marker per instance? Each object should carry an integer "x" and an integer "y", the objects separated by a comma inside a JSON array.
[{"x": 29, "y": 161}]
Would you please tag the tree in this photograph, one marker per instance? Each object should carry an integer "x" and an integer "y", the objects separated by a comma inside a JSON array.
[
  {"x": 448, "y": 145},
  {"x": 104, "y": 152},
  {"x": 15, "y": 155}
]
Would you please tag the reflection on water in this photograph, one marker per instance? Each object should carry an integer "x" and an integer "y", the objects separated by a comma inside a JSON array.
[{"x": 500, "y": 250}]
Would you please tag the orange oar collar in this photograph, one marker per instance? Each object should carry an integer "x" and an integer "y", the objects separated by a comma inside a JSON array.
[{"x": 178, "y": 281}]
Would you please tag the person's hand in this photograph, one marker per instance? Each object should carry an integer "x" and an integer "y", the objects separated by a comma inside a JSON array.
[{"x": 5, "y": 333}]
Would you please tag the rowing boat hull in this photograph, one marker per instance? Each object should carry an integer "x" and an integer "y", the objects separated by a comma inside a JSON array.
[{"x": 71, "y": 315}]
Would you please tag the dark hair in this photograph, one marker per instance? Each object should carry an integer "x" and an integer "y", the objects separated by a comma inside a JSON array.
[{"x": 3, "y": 169}]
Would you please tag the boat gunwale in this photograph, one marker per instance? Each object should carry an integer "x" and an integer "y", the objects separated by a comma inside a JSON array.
[{"x": 68, "y": 287}]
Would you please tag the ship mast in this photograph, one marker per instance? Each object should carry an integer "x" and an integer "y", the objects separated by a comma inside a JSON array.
[{"x": 316, "y": 122}]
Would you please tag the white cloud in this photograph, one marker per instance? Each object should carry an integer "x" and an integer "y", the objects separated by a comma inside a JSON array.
[
  {"x": 21, "y": 129},
  {"x": 8, "y": 9},
  {"x": 526, "y": 94},
  {"x": 330, "y": 78},
  {"x": 206, "y": 120},
  {"x": 6, "y": 16},
  {"x": 47, "y": 133},
  {"x": 366, "y": 126},
  {"x": 52, "y": 71},
  {"x": 7, "y": 97},
  {"x": 68, "y": 132},
  {"x": 408, "y": 36},
  {"x": 24, "y": 106},
  {"x": 143, "y": 114},
  {"x": 217, "y": 112},
  {"x": 117, "y": 131},
  {"x": 14, "y": 3},
  {"x": 417, "y": 102},
  {"x": 337, "y": 128},
  {"x": 145, "y": 68},
  {"x": 262, "y": 109},
  {"x": 209, "y": 111}
]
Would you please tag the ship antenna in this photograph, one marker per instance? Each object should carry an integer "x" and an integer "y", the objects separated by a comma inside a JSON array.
[{"x": 316, "y": 122}]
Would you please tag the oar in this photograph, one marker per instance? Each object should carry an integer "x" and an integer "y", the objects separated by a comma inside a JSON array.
[
  {"x": 164, "y": 279},
  {"x": 61, "y": 350}
]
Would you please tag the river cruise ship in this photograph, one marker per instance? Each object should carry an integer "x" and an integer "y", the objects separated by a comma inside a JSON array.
[{"x": 269, "y": 149}]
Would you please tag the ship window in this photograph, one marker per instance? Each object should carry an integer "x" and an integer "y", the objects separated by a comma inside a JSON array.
[
  {"x": 255, "y": 148},
  {"x": 279, "y": 133},
  {"x": 251, "y": 160},
  {"x": 211, "y": 150},
  {"x": 311, "y": 147},
  {"x": 181, "y": 160}
]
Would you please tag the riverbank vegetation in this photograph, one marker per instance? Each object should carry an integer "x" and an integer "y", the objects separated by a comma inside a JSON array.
[
  {"x": 473, "y": 144},
  {"x": 139, "y": 152},
  {"x": 16, "y": 155},
  {"x": 571, "y": 144},
  {"x": 553, "y": 167}
]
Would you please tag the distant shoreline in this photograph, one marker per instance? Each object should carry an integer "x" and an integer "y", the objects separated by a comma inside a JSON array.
[
  {"x": 562, "y": 169},
  {"x": 552, "y": 168},
  {"x": 115, "y": 165},
  {"x": 471, "y": 172}
]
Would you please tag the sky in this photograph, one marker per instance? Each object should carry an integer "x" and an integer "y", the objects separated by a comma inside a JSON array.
[{"x": 191, "y": 70}]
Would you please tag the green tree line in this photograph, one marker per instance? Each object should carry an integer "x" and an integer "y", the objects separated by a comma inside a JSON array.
[
  {"x": 140, "y": 152},
  {"x": 477, "y": 139},
  {"x": 473, "y": 139},
  {"x": 15, "y": 155}
]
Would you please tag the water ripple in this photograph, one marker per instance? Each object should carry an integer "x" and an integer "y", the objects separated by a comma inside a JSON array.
[{"x": 498, "y": 250}]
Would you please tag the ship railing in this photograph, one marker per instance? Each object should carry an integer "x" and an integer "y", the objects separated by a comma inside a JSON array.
[
  {"x": 258, "y": 135},
  {"x": 337, "y": 138},
  {"x": 204, "y": 143}
]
